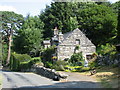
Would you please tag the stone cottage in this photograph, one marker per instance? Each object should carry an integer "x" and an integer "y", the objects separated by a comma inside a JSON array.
[{"x": 66, "y": 44}]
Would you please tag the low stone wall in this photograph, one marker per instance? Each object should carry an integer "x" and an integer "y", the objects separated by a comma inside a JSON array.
[
  {"x": 49, "y": 73},
  {"x": 106, "y": 60}
]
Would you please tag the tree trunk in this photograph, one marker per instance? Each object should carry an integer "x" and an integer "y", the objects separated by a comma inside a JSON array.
[{"x": 9, "y": 49}]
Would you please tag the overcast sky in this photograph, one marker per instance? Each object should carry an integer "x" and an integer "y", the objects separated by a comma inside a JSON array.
[{"x": 24, "y": 7}]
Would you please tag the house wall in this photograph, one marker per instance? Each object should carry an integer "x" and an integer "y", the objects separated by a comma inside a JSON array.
[{"x": 67, "y": 47}]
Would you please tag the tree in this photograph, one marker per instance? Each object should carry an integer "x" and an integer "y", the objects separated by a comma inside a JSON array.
[
  {"x": 59, "y": 15},
  {"x": 11, "y": 22},
  {"x": 99, "y": 23},
  {"x": 29, "y": 36},
  {"x": 118, "y": 24}
]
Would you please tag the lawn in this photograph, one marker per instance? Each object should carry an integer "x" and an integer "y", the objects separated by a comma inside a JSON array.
[{"x": 108, "y": 76}]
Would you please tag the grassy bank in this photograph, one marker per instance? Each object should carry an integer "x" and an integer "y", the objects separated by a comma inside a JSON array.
[{"x": 108, "y": 76}]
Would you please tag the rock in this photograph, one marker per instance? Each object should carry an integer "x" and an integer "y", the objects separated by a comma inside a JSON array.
[
  {"x": 62, "y": 75},
  {"x": 56, "y": 78},
  {"x": 53, "y": 70}
]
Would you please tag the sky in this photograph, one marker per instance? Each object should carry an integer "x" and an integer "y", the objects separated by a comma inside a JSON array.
[{"x": 25, "y": 7}]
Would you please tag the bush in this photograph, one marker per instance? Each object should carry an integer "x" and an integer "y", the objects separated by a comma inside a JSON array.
[
  {"x": 48, "y": 64},
  {"x": 93, "y": 64},
  {"x": 108, "y": 55},
  {"x": 47, "y": 54},
  {"x": 17, "y": 60},
  {"x": 14, "y": 63},
  {"x": 59, "y": 65},
  {"x": 24, "y": 66},
  {"x": 76, "y": 59},
  {"x": 105, "y": 49},
  {"x": 34, "y": 60}
]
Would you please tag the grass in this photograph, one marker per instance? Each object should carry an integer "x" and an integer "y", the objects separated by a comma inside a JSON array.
[{"x": 108, "y": 76}]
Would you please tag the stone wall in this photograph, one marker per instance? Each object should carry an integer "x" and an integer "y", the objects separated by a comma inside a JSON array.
[
  {"x": 49, "y": 73},
  {"x": 106, "y": 60}
]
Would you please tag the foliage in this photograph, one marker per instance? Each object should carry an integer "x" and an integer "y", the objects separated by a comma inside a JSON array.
[
  {"x": 118, "y": 24},
  {"x": 77, "y": 68},
  {"x": 95, "y": 20},
  {"x": 36, "y": 59},
  {"x": 29, "y": 37},
  {"x": 59, "y": 15},
  {"x": 77, "y": 47},
  {"x": 99, "y": 23},
  {"x": 76, "y": 58},
  {"x": 47, "y": 54},
  {"x": 72, "y": 68},
  {"x": 4, "y": 53},
  {"x": 30, "y": 63},
  {"x": 104, "y": 49},
  {"x": 59, "y": 65},
  {"x": 93, "y": 64},
  {"x": 17, "y": 60},
  {"x": 48, "y": 64},
  {"x": 11, "y": 23}
]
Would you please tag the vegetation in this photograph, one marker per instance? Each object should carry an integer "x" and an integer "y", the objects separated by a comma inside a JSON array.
[
  {"x": 108, "y": 76},
  {"x": 24, "y": 35},
  {"x": 29, "y": 36},
  {"x": 96, "y": 20},
  {"x": 11, "y": 22},
  {"x": 76, "y": 59},
  {"x": 21, "y": 62}
]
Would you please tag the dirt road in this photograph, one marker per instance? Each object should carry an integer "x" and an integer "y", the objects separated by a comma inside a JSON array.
[{"x": 31, "y": 80}]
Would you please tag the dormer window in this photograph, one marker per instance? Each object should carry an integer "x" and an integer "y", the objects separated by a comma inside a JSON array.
[{"x": 77, "y": 42}]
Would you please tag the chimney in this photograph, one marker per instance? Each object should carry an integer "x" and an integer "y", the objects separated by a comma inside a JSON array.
[
  {"x": 55, "y": 31},
  {"x": 60, "y": 36}
]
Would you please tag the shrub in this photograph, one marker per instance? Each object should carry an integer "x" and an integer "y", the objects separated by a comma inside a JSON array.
[
  {"x": 34, "y": 60},
  {"x": 14, "y": 63},
  {"x": 108, "y": 55},
  {"x": 105, "y": 49},
  {"x": 76, "y": 58},
  {"x": 59, "y": 65},
  {"x": 17, "y": 60},
  {"x": 47, "y": 54},
  {"x": 93, "y": 64},
  {"x": 48, "y": 64},
  {"x": 24, "y": 66}
]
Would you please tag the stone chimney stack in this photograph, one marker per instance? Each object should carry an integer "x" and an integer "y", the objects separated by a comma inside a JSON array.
[
  {"x": 60, "y": 36},
  {"x": 55, "y": 31}
]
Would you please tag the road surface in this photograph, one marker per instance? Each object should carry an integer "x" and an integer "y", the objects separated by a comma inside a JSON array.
[{"x": 31, "y": 80}]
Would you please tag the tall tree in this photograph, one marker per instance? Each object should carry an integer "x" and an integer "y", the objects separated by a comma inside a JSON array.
[
  {"x": 98, "y": 21},
  {"x": 29, "y": 36},
  {"x": 59, "y": 14},
  {"x": 118, "y": 25},
  {"x": 11, "y": 22}
]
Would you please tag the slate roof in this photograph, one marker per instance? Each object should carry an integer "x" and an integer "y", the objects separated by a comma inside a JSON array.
[{"x": 66, "y": 35}]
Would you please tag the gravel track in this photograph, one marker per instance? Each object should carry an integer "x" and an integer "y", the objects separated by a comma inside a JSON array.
[{"x": 31, "y": 80}]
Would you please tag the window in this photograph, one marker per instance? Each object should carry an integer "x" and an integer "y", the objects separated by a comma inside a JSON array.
[{"x": 77, "y": 41}]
